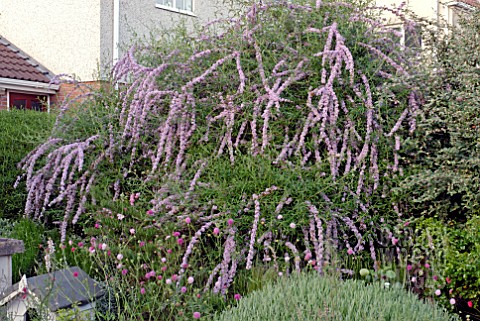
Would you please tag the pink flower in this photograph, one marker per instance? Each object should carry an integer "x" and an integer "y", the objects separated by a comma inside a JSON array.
[
  {"x": 120, "y": 217},
  {"x": 75, "y": 274},
  {"x": 142, "y": 243},
  {"x": 124, "y": 272},
  {"x": 183, "y": 289},
  {"x": 176, "y": 234},
  {"x": 132, "y": 231},
  {"x": 196, "y": 315},
  {"x": 174, "y": 277},
  {"x": 190, "y": 279},
  {"x": 406, "y": 224},
  {"x": 168, "y": 281},
  {"x": 448, "y": 280},
  {"x": 142, "y": 290},
  {"x": 409, "y": 267},
  {"x": 159, "y": 277},
  {"x": 80, "y": 244},
  {"x": 435, "y": 278},
  {"x": 308, "y": 256},
  {"x": 164, "y": 268},
  {"x": 119, "y": 256},
  {"x": 394, "y": 241},
  {"x": 427, "y": 266},
  {"x": 103, "y": 246},
  {"x": 350, "y": 251},
  {"x": 97, "y": 225},
  {"x": 188, "y": 220},
  {"x": 180, "y": 241},
  {"x": 91, "y": 249},
  {"x": 73, "y": 249},
  {"x": 470, "y": 304},
  {"x": 216, "y": 231},
  {"x": 230, "y": 222},
  {"x": 150, "y": 212},
  {"x": 184, "y": 265},
  {"x": 237, "y": 296},
  {"x": 169, "y": 251},
  {"x": 438, "y": 292},
  {"x": 452, "y": 301},
  {"x": 198, "y": 295}
]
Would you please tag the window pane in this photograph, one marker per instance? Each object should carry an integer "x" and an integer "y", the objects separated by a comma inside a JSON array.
[
  {"x": 20, "y": 103},
  {"x": 184, "y": 5},
  {"x": 36, "y": 105},
  {"x": 168, "y": 3}
]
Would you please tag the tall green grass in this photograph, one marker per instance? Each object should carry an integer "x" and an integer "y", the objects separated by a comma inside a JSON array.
[{"x": 20, "y": 132}]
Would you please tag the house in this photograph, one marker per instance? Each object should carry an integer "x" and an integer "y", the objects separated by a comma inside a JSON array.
[
  {"x": 78, "y": 37},
  {"x": 437, "y": 10},
  {"x": 24, "y": 83},
  {"x": 60, "y": 295}
]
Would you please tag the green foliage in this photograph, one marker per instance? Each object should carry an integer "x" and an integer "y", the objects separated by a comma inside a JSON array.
[
  {"x": 444, "y": 152},
  {"x": 313, "y": 297},
  {"x": 20, "y": 132},
  {"x": 31, "y": 233}
]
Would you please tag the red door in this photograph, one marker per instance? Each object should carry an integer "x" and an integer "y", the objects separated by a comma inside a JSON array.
[{"x": 28, "y": 101}]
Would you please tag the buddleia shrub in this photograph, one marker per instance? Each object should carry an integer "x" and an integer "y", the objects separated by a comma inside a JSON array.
[
  {"x": 275, "y": 134},
  {"x": 311, "y": 297}
]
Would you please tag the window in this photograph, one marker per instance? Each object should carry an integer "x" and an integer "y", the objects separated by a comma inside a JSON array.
[
  {"x": 409, "y": 36},
  {"x": 28, "y": 101},
  {"x": 182, "y": 6}
]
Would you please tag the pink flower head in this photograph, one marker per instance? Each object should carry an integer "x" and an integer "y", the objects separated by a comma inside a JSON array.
[
  {"x": 199, "y": 295},
  {"x": 180, "y": 241},
  {"x": 120, "y": 217},
  {"x": 174, "y": 277},
  {"x": 406, "y": 223},
  {"x": 188, "y": 220},
  {"x": 119, "y": 256},
  {"x": 184, "y": 265},
  {"x": 438, "y": 292},
  {"x": 73, "y": 249},
  {"x": 124, "y": 272},
  {"x": 142, "y": 243},
  {"x": 132, "y": 231},
  {"x": 470, "y": 304},
  {"x": 97, "y": 225},
  {"x": 452, "y": 301},
  {"x": 409, "y": 267},
  {"x": 237, "y": 296},
  {"x": 176, "y": 234},
  {"x": 216, "y": 231},
  {"x": 427, "y": 266},
  {"x": 75, "y": 274},
  {"x": 164, "y": 268},
  {"x": 159, "y": 277},
  {"x": 394, "y": 240},
  {"x": 230, "y": 222},
  {"x": 349, "y": 251},
  {"x": 308, "y": 256},
  {"x": 142, "y": 290},
  {"x": 168, "y": 281},
  {"x": 80, "y": 244},
  {"x": 150, "y": 212},
  {"x": 91, "y": 249},
  {"x": 196, "y": 315},
  {"x": 448, "y": 280},
  {"x": 183, "y": 289},
  {"x": 435, "y": 278},
  {"x": 103, "y": 246},
  {"x": 190, "y": 279},
  {"x": 169, "y": 251}
]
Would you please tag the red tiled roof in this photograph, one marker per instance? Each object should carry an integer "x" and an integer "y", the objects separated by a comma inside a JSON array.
[
  {"x": 473, "y": 3},
  {"x": 15, "y": 64}
]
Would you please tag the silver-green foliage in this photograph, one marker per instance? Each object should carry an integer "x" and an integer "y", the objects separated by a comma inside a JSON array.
[{"x": 312, "y": 297}]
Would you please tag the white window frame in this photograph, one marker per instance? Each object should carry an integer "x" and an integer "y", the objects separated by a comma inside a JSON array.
[
  {"x": 401, "y": 28},
  {"x": 173, "y": 8}
]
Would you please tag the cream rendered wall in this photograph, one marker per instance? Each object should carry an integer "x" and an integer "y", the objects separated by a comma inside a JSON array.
[
  {"x": 422, "y": 8},
  {"x": 139, "y": 18},
  {"x": 62, "y": 35}
]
